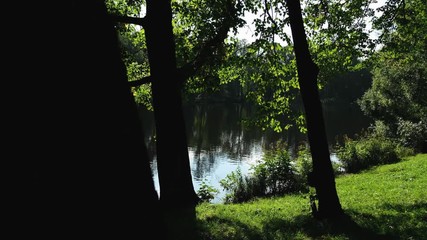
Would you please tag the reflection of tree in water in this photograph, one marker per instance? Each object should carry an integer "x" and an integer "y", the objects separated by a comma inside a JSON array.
[
  {"x": 215, "y": 134},
  {"x": 215, "y": 131},
  {"x": 204, "y": 162}
]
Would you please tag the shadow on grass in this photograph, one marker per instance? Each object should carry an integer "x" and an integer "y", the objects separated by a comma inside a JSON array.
[
  {"x": 300, "y": 227},
  {"x": 179, "y": 224},
  {"x": 409, "y": 222},
  {"x": 225, "y": 229},
  {"x": 340, "y": 228},
  {"x": 401, "y": 221}
]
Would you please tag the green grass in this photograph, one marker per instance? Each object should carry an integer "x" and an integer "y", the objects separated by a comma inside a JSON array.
[{"x": 386, "y": 202}]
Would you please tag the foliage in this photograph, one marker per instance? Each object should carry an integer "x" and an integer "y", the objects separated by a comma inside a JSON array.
[
  {"x": 125, "y": 7},
  {"x": 397, "y": 95},
  {"x": 280, "y": 173},
  {"x": 133, "y": 46},
  {"x": 265, "y": 68},
  {"x": 338, "y": 35},
  {"x": 276, "y": 174},
  {"x": 206, "y": 192},
  {"x": 412, "y": 134},
  {"x": 196, "y": 25},
  {"x": 370, "y": 149},
  {"x": 276, "y": 99},
  {"x": 388, "y": 202},
  {"x": 240, "y": 188},
  {"x": 402, "y": 26},
  {"x": 338, "y": 40},
  {"x": 397, "y": 90},
  {"x": 277, "y": 171},
  {"x": 303, "y": 161}
]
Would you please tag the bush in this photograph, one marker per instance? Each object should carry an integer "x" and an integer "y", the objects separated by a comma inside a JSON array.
[
  {"x": 277, "y": 172},
  {"x": 239, "y": 188},
  {"x": 412, "y": 134},
  {"x": 206, "y": 192},
  {"x": 274, "y": 175},
  {"x": 367, "y": 151},
  {"x": 304, "y": 164}
]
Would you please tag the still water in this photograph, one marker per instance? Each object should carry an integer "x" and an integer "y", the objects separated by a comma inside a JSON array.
[{"x": 218, "y": 143}]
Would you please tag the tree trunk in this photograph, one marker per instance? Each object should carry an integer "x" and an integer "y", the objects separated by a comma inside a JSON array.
[
  {"x": 84, "y": 168},
  {"x": 322, "y": 177},
  {"x": 177, "y": 195},
  {"x": 176, "y": 186}
]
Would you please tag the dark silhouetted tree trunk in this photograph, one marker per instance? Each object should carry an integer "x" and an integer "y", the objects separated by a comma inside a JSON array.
[
  {"x": 83, "y": 166},
  {"x": 174, "y": 172},
  {"x": 172, "y": 151},
  {"x": 177, "y": 195},
  {"x": 322, "y": 177}
]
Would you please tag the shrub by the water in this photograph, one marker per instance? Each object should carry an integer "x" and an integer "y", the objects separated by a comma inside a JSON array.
[
  {"x": 239, "y": 188},
  {"x": 276, "y": 174},
  {"x": 413, "y": 134},
  {"x": 369, "y": 150},
  {"x": 206, "y": 192}
]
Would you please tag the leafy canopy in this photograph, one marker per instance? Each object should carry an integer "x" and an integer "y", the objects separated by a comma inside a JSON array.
[{"x": 265, "y": 68}]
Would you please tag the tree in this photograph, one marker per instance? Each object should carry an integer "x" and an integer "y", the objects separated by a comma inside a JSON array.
[
  {"x": 322, "y": 177},
  {"x": 267, "y": 66},
  {"x": 397, "y": 94},
  {"x": 337, "y": 35},
  {"x": 200, "y": 28},
  {"x": 174, "y": 170},
  {"x": 83, "y": 167},
  {"x": 177, "y": 194}
]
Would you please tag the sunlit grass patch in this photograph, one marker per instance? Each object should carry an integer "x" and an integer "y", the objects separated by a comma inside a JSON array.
[{"x": 390, "y": 200}]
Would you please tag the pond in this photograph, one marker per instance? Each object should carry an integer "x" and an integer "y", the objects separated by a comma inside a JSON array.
[{"x": 218, "y": 143}]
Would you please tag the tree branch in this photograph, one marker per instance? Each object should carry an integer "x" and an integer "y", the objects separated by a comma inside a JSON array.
[
  {"x": 266, "y": 10},
  {"x": 141, "y": 81},
  {"x": 130, "y": 20}
]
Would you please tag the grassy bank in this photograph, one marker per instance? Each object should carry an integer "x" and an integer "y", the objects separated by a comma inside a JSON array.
[{"x": 386, "y": 202}]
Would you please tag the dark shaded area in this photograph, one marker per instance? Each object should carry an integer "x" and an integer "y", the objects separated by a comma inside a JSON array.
[
  {"x": 171, "y": 141},
  {"x": 343, "y": 226},
  {"x": 180, "y": 223},
  {"x": 80, "y": 166},
  {"x": 346, "y": 226},
  {"x": 346, "y": 87},
  {"x": 343, "y": 115},
  {"x": 233, "y": 229},
  {"x": 177, "y": 195},
  {"x": 408, "y": 223},
  {"x": 284, "y": 229}
]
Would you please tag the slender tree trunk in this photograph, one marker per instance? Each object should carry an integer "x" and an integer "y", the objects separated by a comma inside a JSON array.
[{"x": 322, "y": 177}]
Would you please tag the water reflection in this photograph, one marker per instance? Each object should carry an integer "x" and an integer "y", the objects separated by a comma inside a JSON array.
[{"x": 218, "y": 143}]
